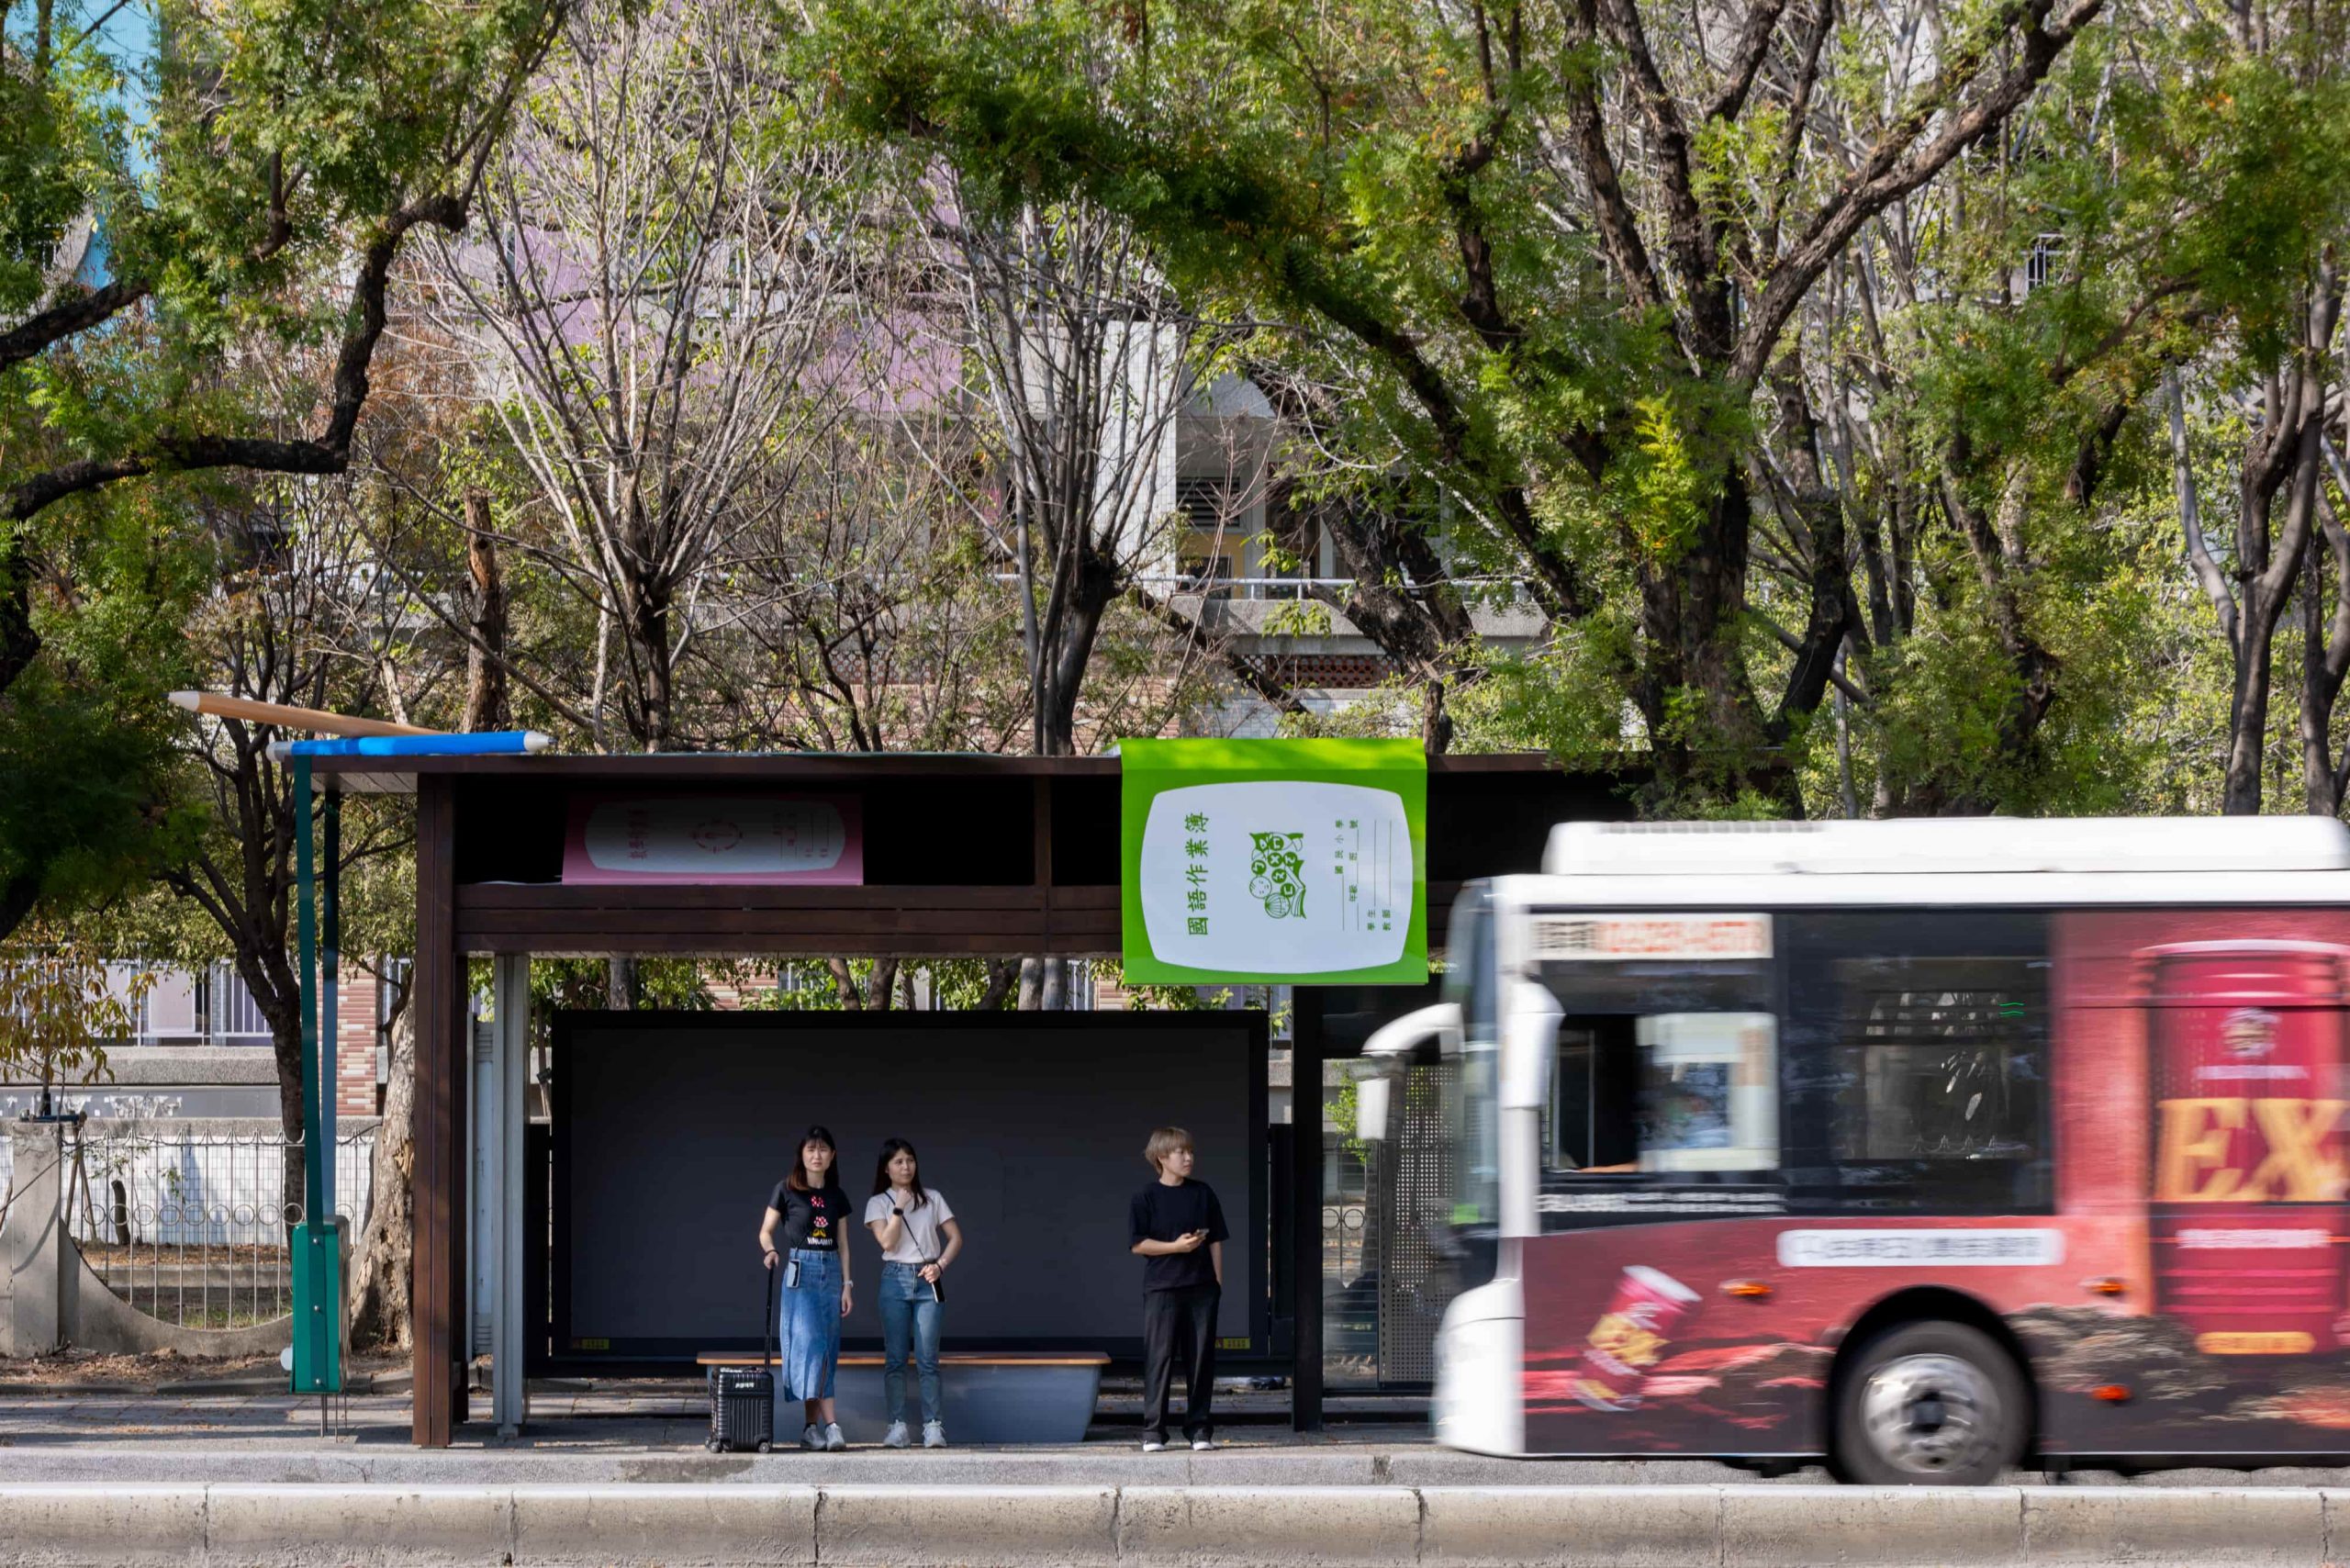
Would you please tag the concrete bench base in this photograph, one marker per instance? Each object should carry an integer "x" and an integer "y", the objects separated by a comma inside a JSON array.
[{"x": 988, "y": 1399}]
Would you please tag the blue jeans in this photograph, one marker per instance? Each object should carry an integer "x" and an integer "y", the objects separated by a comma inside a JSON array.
[
  {"x": 910, "y": 1312},
  {"x": 807, "y": 1334}
]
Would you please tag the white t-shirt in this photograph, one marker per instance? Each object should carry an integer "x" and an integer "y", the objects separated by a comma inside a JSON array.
[{"x": 918, "y": 1239}]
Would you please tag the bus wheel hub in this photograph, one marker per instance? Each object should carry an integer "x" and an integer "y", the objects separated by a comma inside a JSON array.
[{"x": 1927, "y": 1413}]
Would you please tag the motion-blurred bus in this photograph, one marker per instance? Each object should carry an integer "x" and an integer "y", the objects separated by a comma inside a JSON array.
[{"x": 1923, "y": 1147}]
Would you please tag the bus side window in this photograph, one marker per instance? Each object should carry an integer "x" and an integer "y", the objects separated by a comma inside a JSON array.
[
  {"x": 1925, "y": 1037},
  {"x": 1709, "y": 1092},
  {"x": 1595, "y": 1092},
  {"x": 1666, "y": 1092}
]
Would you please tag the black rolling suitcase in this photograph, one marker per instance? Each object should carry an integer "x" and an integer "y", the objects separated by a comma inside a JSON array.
[{"x": 742, "y": 1399}]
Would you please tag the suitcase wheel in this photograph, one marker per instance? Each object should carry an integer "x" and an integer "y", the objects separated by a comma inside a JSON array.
[
  {"x": 766, "y": 1446},
  {"x": 714, "y": 1446}
]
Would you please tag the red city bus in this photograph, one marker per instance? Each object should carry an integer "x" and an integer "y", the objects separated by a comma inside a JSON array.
[{"x": 1923, "y": 1148}]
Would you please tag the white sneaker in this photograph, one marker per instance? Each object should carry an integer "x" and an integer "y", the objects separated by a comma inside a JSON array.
[
  {"x": 834, "y": 1441},
  {"x": 1201, "y": 1445},
  {"x": 897, "y": 1436},
  {"x": 810, "y": 1438},
  {"x": 934, "y": 1434},
  {"x": 1154, "y": 1446}
]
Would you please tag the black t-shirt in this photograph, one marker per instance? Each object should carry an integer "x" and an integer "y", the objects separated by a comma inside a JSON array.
[
  {"x": 813, "y": 1220},
  {"x": 1162, "y": 1213}
]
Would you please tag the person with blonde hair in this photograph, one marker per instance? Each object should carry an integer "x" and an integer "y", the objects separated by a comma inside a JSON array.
[{"x": 1178, "y": 1231}]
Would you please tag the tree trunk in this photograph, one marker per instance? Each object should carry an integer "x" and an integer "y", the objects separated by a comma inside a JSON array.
[
  {"x": 1067, "y": 649},
  {"x": 486, "y": 648},
  {"x": 648, "y": 632},
  {"x": 876, "y": 994},
  {"x": 1003, "y": 976},
  {"x": 1692, "y": 685},
  {"x": 380, "y": 1263},
  {"x": 2325, "y": 659},
  {"x": 285, "y": 1046},
  {"x": 2002, "y": 563},
  {"x": 1043, "y": 985},
  {"x": 2248, "y": 714}
]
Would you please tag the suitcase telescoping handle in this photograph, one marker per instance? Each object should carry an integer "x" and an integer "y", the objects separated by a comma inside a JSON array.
[{"x": 766, "y": 1336}]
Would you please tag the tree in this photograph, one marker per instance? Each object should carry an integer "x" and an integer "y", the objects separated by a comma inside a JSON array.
[
  {"x": 164, "y": 278},
  {"x": 1565, "y": 248},
  {"x": 298, "y": 617},
  {"x": 1084, "y": 360},
  {"x": 2274, "y": 114},
  {"x": 651, "y": 311},
  {"x": 59, "y": 1004}
]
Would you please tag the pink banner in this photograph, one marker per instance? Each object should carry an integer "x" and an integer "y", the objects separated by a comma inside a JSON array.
[{"x": 813, "y": 840}]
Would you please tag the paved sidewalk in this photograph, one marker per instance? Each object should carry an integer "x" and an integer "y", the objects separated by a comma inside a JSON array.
[{"x": 655, "y": 1435}]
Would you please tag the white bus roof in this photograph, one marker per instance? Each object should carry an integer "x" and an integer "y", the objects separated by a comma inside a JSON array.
[{"x": 1970, "y": 846}]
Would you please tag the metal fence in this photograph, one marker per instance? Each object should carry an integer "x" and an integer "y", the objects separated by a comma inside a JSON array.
[
  {"x": 1412, "y": 1183},
  {"x": 207, "y": 1006},
  {"x": 192, "y": 1224}
]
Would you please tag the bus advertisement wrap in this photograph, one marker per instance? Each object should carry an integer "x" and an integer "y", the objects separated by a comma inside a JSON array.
[{"x": 2120, "y": 1132}]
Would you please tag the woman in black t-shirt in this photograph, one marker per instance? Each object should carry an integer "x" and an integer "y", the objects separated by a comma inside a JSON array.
[{"x": 811, "y": 1214}]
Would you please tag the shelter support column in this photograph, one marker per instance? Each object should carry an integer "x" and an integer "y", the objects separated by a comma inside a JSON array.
[
  {"x": 1305, "y": 1213},
  {"x": 437, "y": 1290},
  {"x": 499, "y": 1119}
]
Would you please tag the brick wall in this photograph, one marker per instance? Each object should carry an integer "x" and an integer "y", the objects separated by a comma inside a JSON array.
[
  {"x": 755, "y": 991},
  {"x": 354, "y": 1043}
]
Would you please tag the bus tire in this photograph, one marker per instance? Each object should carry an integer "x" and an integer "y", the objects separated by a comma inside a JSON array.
[{"x": 1930, "y": 1404}]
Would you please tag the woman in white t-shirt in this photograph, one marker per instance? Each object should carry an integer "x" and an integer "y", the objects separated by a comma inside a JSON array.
[{"x": 919, "y": 1238}]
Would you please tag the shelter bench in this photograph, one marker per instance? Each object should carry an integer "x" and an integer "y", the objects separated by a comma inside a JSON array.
[{"x": 1011, "y": 1398}]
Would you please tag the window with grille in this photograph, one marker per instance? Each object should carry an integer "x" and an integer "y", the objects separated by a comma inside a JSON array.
[
  {"x": 1215, "y": 527},
  {"x": 2039, "y": 263}
]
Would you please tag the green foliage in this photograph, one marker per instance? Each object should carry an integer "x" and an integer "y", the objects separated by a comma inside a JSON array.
[
  {"x": 88, "y": 806},
  {"x": 58, "y": 1007}
]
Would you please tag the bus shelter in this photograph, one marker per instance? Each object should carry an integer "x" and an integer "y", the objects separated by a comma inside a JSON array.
[{"x": 962, "y": 857}]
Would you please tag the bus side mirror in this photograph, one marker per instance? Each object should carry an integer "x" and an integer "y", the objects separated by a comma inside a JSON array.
[
  {"x": 1530, "y": 1038},
  {"x": 1393, "y": 1049},
  {"x": 1372, "y": 1097}
]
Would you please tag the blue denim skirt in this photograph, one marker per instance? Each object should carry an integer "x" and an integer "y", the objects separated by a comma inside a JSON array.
[{"x": 807, "y": 1330}]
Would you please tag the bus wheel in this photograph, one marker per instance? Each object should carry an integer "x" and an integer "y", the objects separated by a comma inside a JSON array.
[{"x": 1930, "y": 1404}]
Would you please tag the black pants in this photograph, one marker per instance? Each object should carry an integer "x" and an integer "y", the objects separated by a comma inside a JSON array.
[{"x": 1179, "y": 1320}]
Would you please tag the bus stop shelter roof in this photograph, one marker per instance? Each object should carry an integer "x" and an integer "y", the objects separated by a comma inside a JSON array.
[{"x": 966, "y": 855}]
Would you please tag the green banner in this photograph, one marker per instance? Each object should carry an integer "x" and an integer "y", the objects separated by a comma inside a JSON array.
[{"x": 1273, "y": 861}]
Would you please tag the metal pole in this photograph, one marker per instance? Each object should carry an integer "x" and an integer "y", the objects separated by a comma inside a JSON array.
[
  {"x": 316, "y": 1281},
  {"x": 329, "y": 972},
  {"x": 1305, "y": 1198},
  {"x": 503, "y": 1126},
  {"x": 307, "y": 942}
]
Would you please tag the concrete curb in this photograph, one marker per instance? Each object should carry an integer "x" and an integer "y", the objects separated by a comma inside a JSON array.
[
  {"x": 200, "y": 1388},
  {"x": 299, "y": 1525}
]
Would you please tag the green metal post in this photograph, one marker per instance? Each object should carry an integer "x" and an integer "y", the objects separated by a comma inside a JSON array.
[
  {"x": 318, "y": 1256},
  {"x": 306, "y": 938},
  {"x": 329, "y": 982}
]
